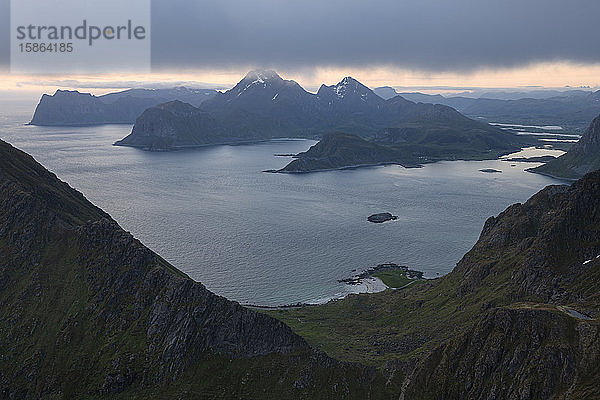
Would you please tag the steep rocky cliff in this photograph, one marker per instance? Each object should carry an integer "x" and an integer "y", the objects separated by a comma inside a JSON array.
[
  {"x": 524, "y": 351},
  {"x": 537, "y": 268},
  {"x": 87, "y": 311}
]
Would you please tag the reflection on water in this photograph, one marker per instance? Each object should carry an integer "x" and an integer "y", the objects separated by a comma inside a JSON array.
[{"x": 529, "y": 152}]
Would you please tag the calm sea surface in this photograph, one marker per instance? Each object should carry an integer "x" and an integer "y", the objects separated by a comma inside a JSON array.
[{"x": 274, "y": 239}]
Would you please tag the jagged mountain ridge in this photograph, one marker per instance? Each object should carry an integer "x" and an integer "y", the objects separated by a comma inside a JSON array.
[
  {"x": 537, "y": 260},
  {"x": 86, "y": 311},
  {"x": 265, "y": 106},
  {"x": 68, "y": 108}
]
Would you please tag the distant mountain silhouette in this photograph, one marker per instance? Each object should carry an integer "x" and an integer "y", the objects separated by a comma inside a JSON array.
[
  {"x": 66, "y": 108},
  {"x": 572, "y": 109}
]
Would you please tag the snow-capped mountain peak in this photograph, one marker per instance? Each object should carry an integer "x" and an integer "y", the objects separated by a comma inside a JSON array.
[
  {"x": 258, "y": 78},
  {"x": 261, "y": 76},
  {"x": 348, "y": 86}
]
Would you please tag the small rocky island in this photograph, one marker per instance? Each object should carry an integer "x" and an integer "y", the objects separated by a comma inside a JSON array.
[
  {"x": 491, "y": 171},
  {"x": 381, "y": 217}
]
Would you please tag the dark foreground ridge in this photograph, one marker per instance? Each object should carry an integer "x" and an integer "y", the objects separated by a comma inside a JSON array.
[{"x": 86, "y": 311}]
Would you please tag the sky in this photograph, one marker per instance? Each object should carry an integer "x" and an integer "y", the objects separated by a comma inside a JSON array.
[{"x": 434, "y": 45}]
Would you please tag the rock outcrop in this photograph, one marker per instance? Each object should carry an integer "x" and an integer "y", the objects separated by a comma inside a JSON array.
[
  {"x": 87, "y": 311},
  {"x": 381, "y": 217}
]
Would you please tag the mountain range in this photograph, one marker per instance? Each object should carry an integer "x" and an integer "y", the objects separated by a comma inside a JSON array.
[
  {"x": 387, "y": 92},
  {"x": 71, "y": 108},
  {"x": 571, "y": 109},
  {"x": 87, "y": 311},
  {"x": 265, "y": 106}
]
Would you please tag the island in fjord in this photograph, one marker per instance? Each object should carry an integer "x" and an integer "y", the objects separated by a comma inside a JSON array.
[{"x": 409, "y": 146}]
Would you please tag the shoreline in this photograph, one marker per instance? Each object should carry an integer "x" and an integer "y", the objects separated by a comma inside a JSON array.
[
  {"x": 325, "y": 300},
  {"x": 198, "y": 146},
  {"x": 560, "y": 178},
  {"x": 348, "y": 167},
  {"x": 411, "y": 166},
  {"x": 370, "y": 273},
  {"x": 421, "y": 164},
  {"x": 355, "y": 280}
]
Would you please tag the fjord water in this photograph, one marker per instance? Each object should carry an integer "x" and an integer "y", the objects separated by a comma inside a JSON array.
[{"x": 273, "y": 239}]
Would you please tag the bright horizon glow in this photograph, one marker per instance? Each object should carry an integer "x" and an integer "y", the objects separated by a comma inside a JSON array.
[{"x": 556, "y": 75}]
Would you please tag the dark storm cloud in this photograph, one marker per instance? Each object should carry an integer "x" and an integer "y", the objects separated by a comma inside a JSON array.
[
  {"x": 434, "y": 35},
  {"x": 425, "y": 34}
]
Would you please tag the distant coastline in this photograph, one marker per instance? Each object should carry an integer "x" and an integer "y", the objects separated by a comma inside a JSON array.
[{"x": 198, "y": 146}]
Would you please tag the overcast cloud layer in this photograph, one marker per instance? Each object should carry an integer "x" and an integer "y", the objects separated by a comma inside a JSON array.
[
  {"x": 433, "y": 35},
  {"x": 425, "y": 34}
]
